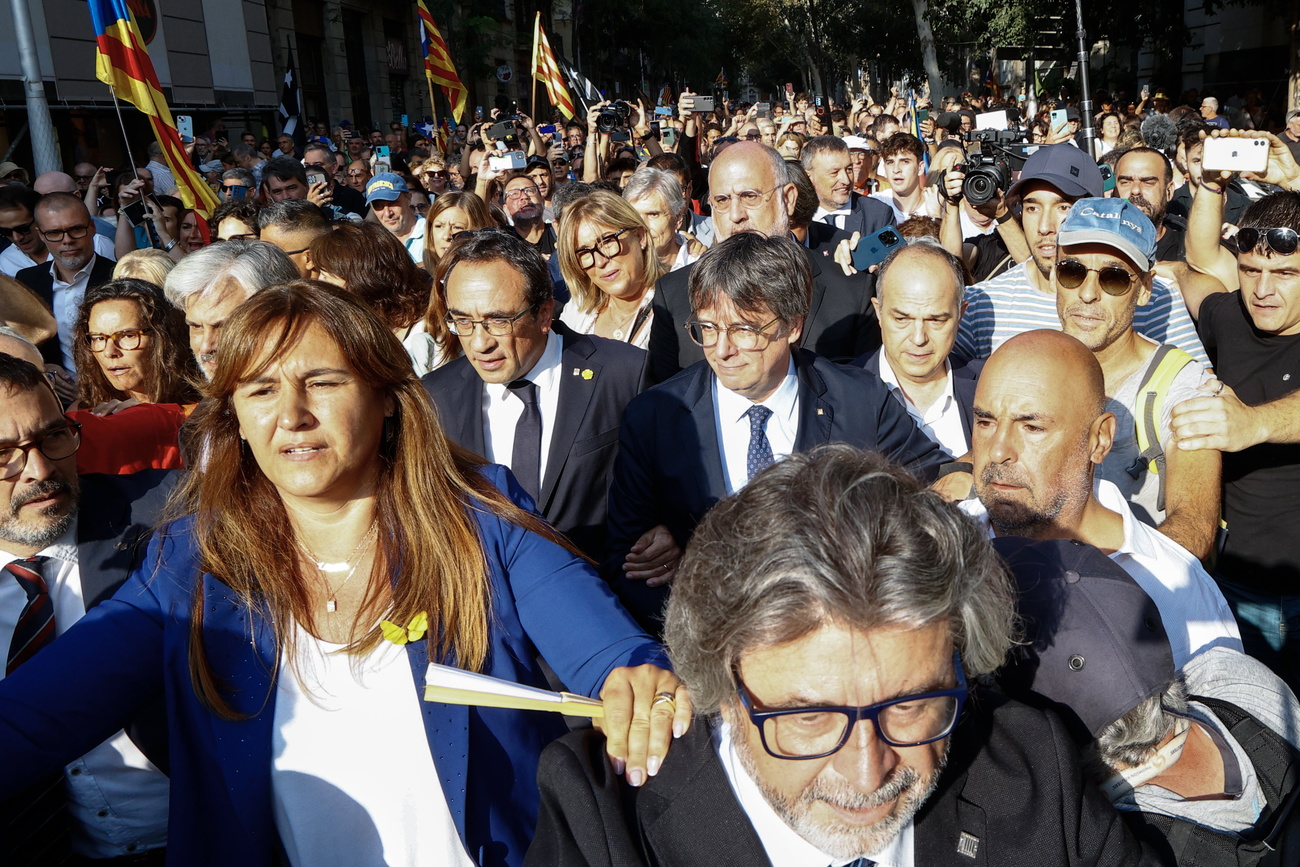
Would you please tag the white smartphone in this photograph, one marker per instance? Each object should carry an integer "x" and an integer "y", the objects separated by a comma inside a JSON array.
[
  {"x": 1059, "y": 119},
  {"x": 1235, "y": 155}
]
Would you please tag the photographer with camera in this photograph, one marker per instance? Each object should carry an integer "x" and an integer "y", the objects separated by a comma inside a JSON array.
[
  {"x": 1024, "y": 298},
  {"x": 974, "y": 196},
  {"x": 612, "y": 124}
]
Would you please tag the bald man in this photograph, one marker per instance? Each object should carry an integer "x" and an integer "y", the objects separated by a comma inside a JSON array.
[
  {"x": 750, "y": 190},
  {"x": 1035, "y": 449}
]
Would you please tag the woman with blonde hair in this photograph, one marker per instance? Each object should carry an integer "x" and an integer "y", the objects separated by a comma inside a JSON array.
[
  {"x": 610, "y": 266},
  {"x": 151, "y": 265},
  {"x": 336, "y": 544}
]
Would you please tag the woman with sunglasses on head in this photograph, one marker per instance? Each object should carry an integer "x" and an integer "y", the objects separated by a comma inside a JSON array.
[
  {"x": 131, "y": 344},
  {"x": 610, "y": 265},
  {"x": 337, "y": 543}
]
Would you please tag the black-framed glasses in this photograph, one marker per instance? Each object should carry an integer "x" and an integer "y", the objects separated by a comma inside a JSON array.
[
  {"x": 607, "y": 246},
  {"x": 749, "y": 199},
  {"x": 497, "y": 326},
  {"x": 56, "y": 445},
  {"x": 802, "y": 733},
  {"x": 1280, "y": 240},
  {"x": 358, "y": 173},
  {"x": 126, "y": 340},
  {"x": 76, "y": 233},
  {"x": 225, "y": 188},
  {"x": 522, "y": 193},
  {"x": 21, "y": 229},
  {"x": 1112, "y": 279},
  {"x": 740, "y": 336}
]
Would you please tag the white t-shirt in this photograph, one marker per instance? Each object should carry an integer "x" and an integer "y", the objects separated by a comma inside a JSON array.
[{"x": 352, "y": 778}]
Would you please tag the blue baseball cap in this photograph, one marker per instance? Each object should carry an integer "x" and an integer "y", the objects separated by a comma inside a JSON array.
[
  {"x": 1063, "y": 166},
  {"x": 385, "y": 187},
  {"x": 1115, "y": 223}
]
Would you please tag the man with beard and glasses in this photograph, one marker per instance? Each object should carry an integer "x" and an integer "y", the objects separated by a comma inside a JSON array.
[
  {"x": 1041, "y": 427},
  {"x": 832, "y": 621},
  {"x": 1145, "y": 177},
  {"x": 66, "y": 544}
]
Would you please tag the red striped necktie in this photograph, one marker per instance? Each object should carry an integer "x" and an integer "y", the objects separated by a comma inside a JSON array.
[{"x": 35, "y": 627}]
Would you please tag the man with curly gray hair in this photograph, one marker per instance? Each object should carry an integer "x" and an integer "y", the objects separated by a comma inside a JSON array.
[{"x": 833, "y": 620}]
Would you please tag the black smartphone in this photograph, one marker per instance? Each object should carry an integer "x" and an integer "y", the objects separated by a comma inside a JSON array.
[{"x": 136, "y": 213}]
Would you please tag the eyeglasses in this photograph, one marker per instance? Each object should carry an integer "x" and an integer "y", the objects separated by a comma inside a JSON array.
[
  {"x": 749, "y": 199},
  {"x": 56, "y": 445},
  {"x": 497, "y": 326},
  {"x": 358, "y": 173},
  {"x": 225, "y": 188},
  {"x": 86, "y": 178},
  {"x": 76, "y": 233},
  {"x": 608, "y": 247},
  {"x": 521, "y": 193},
  {"x": 24, "y": 229},
  {"x": 816, "y": 732},
  {"x": 125, "y": 340},
  {"x": 442, "y": 173},
  {"x": 1112, "y": 279},
  {"x": 1282, "y": 241},
  {"x": 740, "y": 336}
]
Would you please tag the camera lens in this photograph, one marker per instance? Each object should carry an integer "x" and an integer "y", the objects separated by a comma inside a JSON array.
[{"x": 889, "y": 239}]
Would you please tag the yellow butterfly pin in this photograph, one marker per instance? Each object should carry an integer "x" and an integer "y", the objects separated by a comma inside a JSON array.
[{"x": 414, "y": 630}]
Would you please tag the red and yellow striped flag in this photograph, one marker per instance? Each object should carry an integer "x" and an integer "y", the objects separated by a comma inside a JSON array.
[
  {"x": 548, "y": 71},
  {"x": 437, "y": 63},
  {"x": 122, "y": 62}
]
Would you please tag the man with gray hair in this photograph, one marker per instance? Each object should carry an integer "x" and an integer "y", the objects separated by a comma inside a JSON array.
[
  {"x": 208, "y": 284},
  {"x": 827, "y": 161},
  {"x": 750, "y": 191},
  {"x": 235, "y": 180},
  {"x": 754, "y": 399},
  {"x": 831, "y": 621},
  {"x": 1201, "y": 760}
]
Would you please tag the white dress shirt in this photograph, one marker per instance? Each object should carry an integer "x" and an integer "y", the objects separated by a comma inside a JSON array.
[
  {"x": 684, "y": 255},
  {"x": 1195, "y": 614},
  {"x": 941, "y": 421},
  {"x": 67, "y": 304},
  {"x": 414, "y": 242},
  {"x": 832, "y": 218},
  {"x": 732, "y": 425},
  {"x": 116, "y": 797},
  {"x": 502, "y": 408},
  {"x": 783, "y": 845}
]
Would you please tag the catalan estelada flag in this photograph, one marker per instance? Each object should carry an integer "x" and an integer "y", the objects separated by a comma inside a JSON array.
[
  {"x": 437, "y": 63},
  {"x": 547, "y": 71},
  {"x": 122, "y": 62}
]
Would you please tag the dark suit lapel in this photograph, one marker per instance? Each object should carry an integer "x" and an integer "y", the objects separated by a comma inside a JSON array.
[
  {"x": 699, "y": 402},
  {"x": 465, "y": 424},
  {"x": 104, "y": 553},
  {"x": 963, "y": 387},
  {"x": 818, "y": 293},
  {"x": 578, "y": 383},
  {"x": 816, "y": 414}
]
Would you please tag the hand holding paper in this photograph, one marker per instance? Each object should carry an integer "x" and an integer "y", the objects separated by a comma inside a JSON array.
[{"x": 457, "y": 686}]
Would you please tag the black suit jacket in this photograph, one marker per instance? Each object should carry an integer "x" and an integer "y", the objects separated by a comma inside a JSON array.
[
  {"x": 38, "y": 279},
  {"x": 669, "y": 467},
  {"x": 1012, "y": 791},
  {"x": 868, "y": 215},
  {"x": 841, "y": 322},
  {"x": 580, "y": 463},
  {"x": 965, "y": 377}
]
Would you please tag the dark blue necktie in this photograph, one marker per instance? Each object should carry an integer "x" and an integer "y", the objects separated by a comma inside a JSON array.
[
  {"x": 760, "y": 450},
  {"x": 526, "y": 459}
]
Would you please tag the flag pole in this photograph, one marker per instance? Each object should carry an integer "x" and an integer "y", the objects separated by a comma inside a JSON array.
[
  {"x": 433, "y": 113},
  {"x": 126, "y": 140},
  {"x": 532, "y": 72}
]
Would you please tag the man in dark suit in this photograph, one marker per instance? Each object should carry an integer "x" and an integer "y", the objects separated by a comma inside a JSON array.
[
  {"x": 66, "y": 544},
  {"x": 582, "y": 384},
  {"x": 69, "y": 233},
  {"x": 750, "y": 191},
  {"x": 826, "y": 160},
  {"x": 756, "y": 397},
  {"x": 829, "y": 621},
  {"x": 919, "y": 303}
]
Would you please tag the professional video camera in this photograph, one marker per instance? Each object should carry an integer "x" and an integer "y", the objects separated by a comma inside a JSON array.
[
  {"x": 988, "y": 170},
  {"x": 613, "y": 116}
]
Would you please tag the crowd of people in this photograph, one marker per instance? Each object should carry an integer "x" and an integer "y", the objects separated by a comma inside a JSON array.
[{"x": 899, "y": 512}]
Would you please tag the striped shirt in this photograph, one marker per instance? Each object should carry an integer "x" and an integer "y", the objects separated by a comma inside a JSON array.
[{"x": 1007, "y": 305}]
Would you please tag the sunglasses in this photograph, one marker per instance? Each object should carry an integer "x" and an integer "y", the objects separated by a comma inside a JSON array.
[
  {"x": 24, "y": 229},
  {"x": 1282, "y": 241},
  {"x": 1112, "y": 279}
]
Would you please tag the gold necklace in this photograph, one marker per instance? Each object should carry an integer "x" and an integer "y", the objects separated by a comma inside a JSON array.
[{"x": 332, "y": 604}]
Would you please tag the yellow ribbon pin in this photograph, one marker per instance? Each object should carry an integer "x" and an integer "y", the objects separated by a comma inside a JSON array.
[{"x": 414, "y": 630}]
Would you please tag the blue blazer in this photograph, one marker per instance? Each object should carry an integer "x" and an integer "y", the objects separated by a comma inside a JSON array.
[
  {"x": 133, "y": 648},
  {"x": 669, "y": 465}
]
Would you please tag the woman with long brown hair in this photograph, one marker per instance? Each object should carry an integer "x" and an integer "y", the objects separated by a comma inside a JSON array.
[
  {"x": 334, "y": 545},
  {"x": 450, "y": 214},
  {"x": 369, "y": 261},
  {"x": 130, "y": 343}
]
